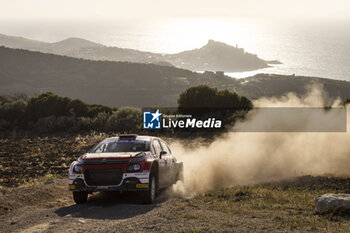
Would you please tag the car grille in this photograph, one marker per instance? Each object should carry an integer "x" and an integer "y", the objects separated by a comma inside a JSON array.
[{"x": 103, "y": 176}]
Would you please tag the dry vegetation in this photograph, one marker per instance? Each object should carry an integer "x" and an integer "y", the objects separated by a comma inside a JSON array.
[
  {"x": 279, "y": 206},
  {"x": 28, "y": 158}
]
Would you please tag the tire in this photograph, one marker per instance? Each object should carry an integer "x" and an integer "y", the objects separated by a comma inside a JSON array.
[
  {"x": 149, "y": 196},
  {"x": 80, "y": 197}
]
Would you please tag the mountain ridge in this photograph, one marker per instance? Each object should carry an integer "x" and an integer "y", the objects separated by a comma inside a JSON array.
[
  {"x": 77, "y": 41},
  {"x": 214, "y": 56},
  {"x": 119, "y": 84}
]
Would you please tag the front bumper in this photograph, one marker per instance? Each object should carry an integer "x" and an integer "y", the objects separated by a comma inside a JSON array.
[{"x": 130, "y": 182}]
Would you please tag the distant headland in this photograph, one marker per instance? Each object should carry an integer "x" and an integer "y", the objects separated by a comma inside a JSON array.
[{"x": 214, "y": 56}]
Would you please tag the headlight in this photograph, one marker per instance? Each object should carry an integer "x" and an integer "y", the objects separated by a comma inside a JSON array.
[
  {"x": 133, "y": 167},
  {"x": 77, "y": 169}
]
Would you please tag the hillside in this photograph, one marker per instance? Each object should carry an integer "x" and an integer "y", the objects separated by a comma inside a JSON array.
[
  {"x": 213, "y": 56},
  {"x": 108, "y": 83},
  {"x": 121, "y": 83},
  {"x": 272, "y": 85}
]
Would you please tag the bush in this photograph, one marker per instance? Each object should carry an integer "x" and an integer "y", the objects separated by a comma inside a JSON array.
[
  {"x": 95, "y": 109},
  {"x": 203, "y": 101},
  {"x": 85, "y": 123},
  {"x": 57, "y": 124},
  {"x": 49, "y": 112},
  {"x": 3, "y": 99},
  {"x": 203, "y": 96},
  {"x": 47, "y": 104},
  {"x": 77, "y": 108},
  {"x": 14, "y": 111},
  {"x": 99, "y": 123},
  {"x": 125, "y": 120},
  {"x": 50, "y": 104}
]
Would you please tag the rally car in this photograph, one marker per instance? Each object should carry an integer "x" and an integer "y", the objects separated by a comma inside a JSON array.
[{"x": 125, "y": 163}]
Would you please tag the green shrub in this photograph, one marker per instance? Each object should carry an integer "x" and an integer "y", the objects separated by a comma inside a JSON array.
[
  {"x": 48, "y": 112},
  {"x": 85, "y": 123},
  {"x": 46, "y": 124},
  {"x": 203, "y": 101},
  {"x": 50, "y": 104},
  {"x": 95, "y": 109},
  {"x": 125, "y": 120},
  {"x": 99, "y": 123},
  {"x": 57, "y": 124},
  {"x": 203, "y": 96},
  {"x": 14, "y": 111},
  {"x": 47, "y": 104},
  {"x": 77, "y": 108},
  {"x": 3, "y": 99}
]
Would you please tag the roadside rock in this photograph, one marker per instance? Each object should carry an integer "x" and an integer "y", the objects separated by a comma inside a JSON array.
[{"x": 332, "y": 202}]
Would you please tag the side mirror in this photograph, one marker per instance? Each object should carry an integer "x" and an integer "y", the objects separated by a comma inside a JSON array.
[{"x": 162, "y": 153}]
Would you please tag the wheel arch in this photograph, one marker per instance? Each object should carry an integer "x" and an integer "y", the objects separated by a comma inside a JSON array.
[
  {"x": 155, "y": 171},
  {"x": 155, "y": 168}
]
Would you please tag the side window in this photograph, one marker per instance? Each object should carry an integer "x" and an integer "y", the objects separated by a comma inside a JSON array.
[
  {"x": 165, "y": 147},
  {"x": 157, "y": 147}
]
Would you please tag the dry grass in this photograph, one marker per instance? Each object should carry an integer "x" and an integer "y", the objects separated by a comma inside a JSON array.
[{"x": 281, "y": 206}]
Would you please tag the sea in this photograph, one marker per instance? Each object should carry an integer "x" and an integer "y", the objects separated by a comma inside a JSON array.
[{"x": 309, "y": 48}]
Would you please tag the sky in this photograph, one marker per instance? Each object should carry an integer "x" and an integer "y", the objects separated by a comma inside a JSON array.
[{"x": 139, "y": 9}]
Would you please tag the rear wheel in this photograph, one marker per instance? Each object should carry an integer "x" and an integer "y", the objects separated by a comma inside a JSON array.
[
  {"x": 80, "y": 197},
  {"x": 150, "y": 195}
]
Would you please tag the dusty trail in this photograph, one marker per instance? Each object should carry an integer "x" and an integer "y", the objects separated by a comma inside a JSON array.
[
  {"x": 276, "y": 207},
  {"x": 49, "y": 208}
]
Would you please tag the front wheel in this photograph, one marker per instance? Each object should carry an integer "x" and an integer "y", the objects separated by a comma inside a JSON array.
[
  {"x": 150, "y": 195},
  {"x": 80, "y": 197}
]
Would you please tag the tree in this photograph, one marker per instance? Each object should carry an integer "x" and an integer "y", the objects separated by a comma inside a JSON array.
[
  {"x": 47, "y": 104},
  {"x": 77, "y": 108},
  {"x": 13, "y": 111},
  {"x": 125, "y": 120},
  {"x": 203, "y": 96},
  {"x": 203, "y": 101}
]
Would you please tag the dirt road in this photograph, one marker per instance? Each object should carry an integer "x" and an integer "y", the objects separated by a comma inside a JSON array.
[
  {"x": 34, "y": 199},
  {"x": 47, "y": 206}
]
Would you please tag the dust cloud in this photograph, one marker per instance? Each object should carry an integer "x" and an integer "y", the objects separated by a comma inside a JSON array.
[{"x": 239, "y": 158}]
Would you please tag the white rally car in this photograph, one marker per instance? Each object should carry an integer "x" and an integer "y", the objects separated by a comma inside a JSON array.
[{"x": 125, "y": 163}]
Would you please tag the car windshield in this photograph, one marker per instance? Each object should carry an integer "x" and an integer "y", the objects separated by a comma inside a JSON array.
[{"x": 121, "y": 146}]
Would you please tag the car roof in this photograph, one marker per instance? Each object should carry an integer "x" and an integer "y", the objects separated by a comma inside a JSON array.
[{"x": 138, "y": 137}]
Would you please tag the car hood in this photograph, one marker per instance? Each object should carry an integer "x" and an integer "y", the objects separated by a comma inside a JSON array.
[{"x": 116, "y": 155}]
